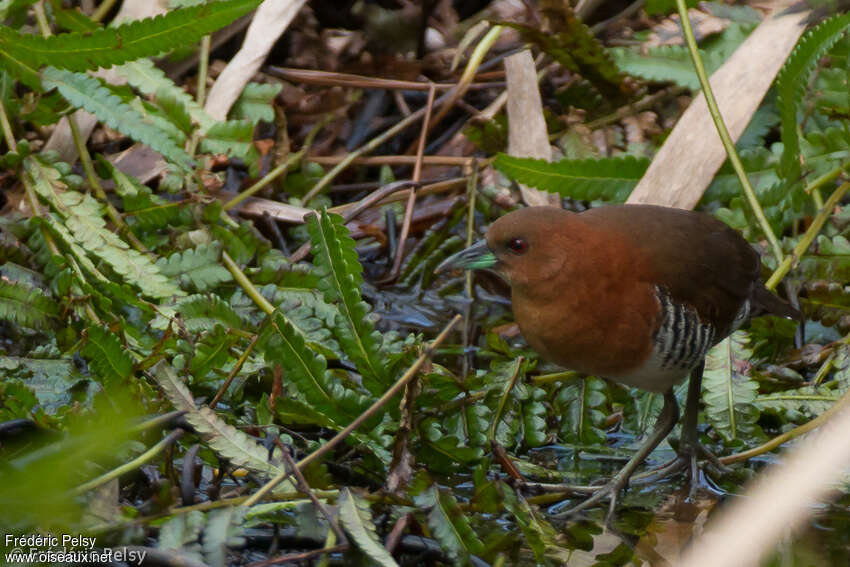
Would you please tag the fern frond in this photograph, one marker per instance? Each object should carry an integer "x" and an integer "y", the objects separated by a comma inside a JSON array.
[
  {"x": 205, "y": 312},
  {"x": 26, "y": 306},
  {"x": 791, "y": 83},
  {"x": 224, "y": 439},
  {"x": 106, "y": 355},
  {"x": 611, "y": 179},
  {"x": 234, "y": 138},
  {"x": 449, "y": 525},
  {"x": 149, "y": 79},
  {"x": 255, "y": 102},
  {"x": 115, "y": 45},
  {"x": 196, "y": 268},
  {"x": 308, "y": 372},
  {"x": 728, "y": 393},
  {"x": 356, "y": 519},
  {"x": 89, "y": 93},
  {"x": 340, "y": 280},
  {"x": 664, "y": 63}
]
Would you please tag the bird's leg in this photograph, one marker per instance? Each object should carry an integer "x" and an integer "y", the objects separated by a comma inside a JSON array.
[
  {"x": 690, "y": 448},
  {"x": 666, "y": 420}
]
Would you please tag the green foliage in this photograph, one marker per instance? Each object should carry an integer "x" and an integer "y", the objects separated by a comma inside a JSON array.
[
  {"x": 449, "y": 525},
  {"x": 25, "y": 54},
  {"x": 664, "y": 63},
  {"x": 340, "y": 278},
  {"x": 255, "y": 102},
  {"x": 580, "y": 407},
  {"x": 234, "y": 138},
  {"x": 728, "y": 391},
  {"x": 574, "y": 46},
  {"x": 356, "y": 519},
  {"x": 610, "y": 179},
  {"x": 26, "y": 306},
  {"x": 197, "y": 269},
  {"x": 89, "y": 93},
  {"x": 106, "y": 355},
  {"x": 793, "y": 79}
]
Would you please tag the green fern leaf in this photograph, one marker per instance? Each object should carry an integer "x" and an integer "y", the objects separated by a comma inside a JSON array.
[
  {"x": 196, "y": 268},
  {"x": 356, "y": 519},
  {"x": 106, "y": 355},
  {"x": 89, "y": 93},
  {"x": 665, "y": 63},
  {"x": 579, "y": 405},
  {"x": 611, "y": 179},
  {"x": 211, "y": 351},
  {"x": 308, "y": 372},
  {"x": 791, "y": 85},
  {"x": 26, "y": 306},
  {"x": 149, "y": 79},
  {"x": 255, "y": 102},
  {"x": 340, "y": 276},
  {"x": 728, "y": 393},
  {"x": 224, "y": 439},
  {"x": 175, "y": 110},
  {"x": 449, "y": 525},
  {"x": 234, "y": 138},
  {"x": 105, "y": 47},
  {"x": 205, "y": 312}
]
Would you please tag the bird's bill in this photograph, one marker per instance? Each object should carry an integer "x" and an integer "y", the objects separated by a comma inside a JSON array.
[{"x": 476, "y": 257}]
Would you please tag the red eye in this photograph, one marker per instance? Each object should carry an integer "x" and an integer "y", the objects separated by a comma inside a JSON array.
[{"x": 518, "y": 246}]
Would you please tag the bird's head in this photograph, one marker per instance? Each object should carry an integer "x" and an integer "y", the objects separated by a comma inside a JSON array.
[{"x": 525, "y": 246}]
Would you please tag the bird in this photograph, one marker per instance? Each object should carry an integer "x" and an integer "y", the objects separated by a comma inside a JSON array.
[{"x": 635, "y": 294}]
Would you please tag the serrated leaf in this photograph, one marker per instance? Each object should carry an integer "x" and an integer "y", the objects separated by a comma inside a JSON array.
[
  {"x": 664, "y": 63},
  {"x": 175, "y": 110},
  {"x": 104, "y": 47},
  {"x": 449, "y": 525},
  {"x": 579, "y": 403},
  {"x": 255, "y": 102},
  {"x": 611, "y": 179},
  {"x": 728, "y": 390},
  {"x": 149, "y": 79},
  {"x": 107, "y": 355},
  {"x": 26, "y": 306},
  {"x": 308, "y": 371},
  {"x": 224, "y": 439},
  {"x": 89, "y": 93},
  {"x": 234, "y": 138},
  {"x": 356, "y": 519},
  {"x": 791, "y": 84},
  {"x": 197, "y": 268},
  {"x": 340, "y": 276}
]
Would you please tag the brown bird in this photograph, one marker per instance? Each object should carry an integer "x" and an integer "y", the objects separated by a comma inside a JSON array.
[{"x": 636, "y": 294}]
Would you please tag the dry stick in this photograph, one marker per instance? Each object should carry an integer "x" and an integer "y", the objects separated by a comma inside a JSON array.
[
  {"x": 362, "y": 418},
  {"x": 468, "y": 74},
  {"x": 300, "y": 556},
  {"x": 392, "y": 160},
  {"x": 303, "y": 486},
  {"x": 411, "y": 199},
  {"x": 352, "y": 212},
  {"x": 359, "y": 81},
  {"x": 372, "y": 144},
  {"x": 236, "y": 368}
]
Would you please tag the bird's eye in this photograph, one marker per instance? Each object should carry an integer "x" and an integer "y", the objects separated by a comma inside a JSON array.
[{"x": 518, "y": 246}]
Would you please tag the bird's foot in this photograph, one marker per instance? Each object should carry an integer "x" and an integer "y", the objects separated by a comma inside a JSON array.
[
  {"x": 694, "y": 458},
  {"x": 609, "y": 491}
]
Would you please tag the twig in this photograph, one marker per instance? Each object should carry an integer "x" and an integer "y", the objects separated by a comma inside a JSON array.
[
  {"x": 362, "y": 418},
  {"x": 236, "y": 368},
  {"x": 330, "y": 78},
  {"x": 301, "y": 556},
  {"x": 303, "y": 486},
  {"x": 411, "y": 200}
]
